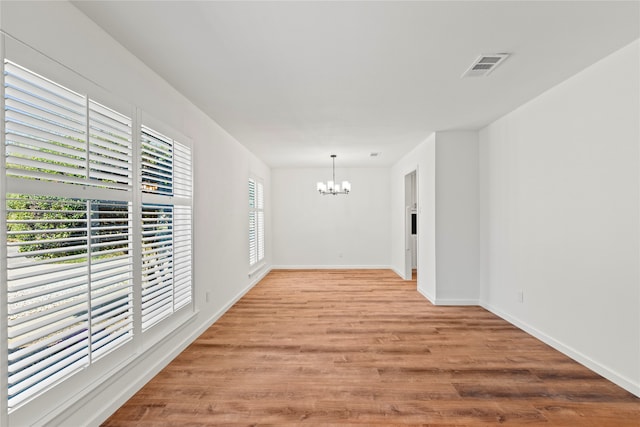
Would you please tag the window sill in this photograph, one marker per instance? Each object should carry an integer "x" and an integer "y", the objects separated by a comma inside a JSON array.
[{"x": 256, "y": 268}]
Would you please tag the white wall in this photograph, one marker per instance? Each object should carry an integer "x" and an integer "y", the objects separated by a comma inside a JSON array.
[
  {"x": 222, "y": 166},
  {"x": 421, "y": 159},
  {"x": 448, "y": 211},
  {"x": 457, "y": 218},
  {"x": 560, "y": 217},
  {"x": 315, "y": 231}
]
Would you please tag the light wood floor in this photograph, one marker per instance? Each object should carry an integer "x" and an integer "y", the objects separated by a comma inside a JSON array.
[{"x": 363, "y": 347}]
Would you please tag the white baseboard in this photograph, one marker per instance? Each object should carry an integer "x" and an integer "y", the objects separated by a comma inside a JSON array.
[
  {"x": 217, "y": 315},
  {"x": 395, "y": 270},
  {"x": 426, "y": 294},
  {"x": 255, "y": 277},
  {"x": 331, "y": 267},
  {"x": 447, "y": 301},
  {"x": 614, "y": 377},
  {"x": 455, "y": 301},
  {"x": 127, "y": 384}
]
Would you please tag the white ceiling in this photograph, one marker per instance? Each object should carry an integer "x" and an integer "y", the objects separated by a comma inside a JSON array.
[{"x": 297, "y": 81}]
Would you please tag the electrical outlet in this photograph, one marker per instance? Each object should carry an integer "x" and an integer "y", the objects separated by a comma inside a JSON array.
[
  {"x": 520, "y": 296},
  {"x": 206, "y": 296},
  {"x": 340, "y": 255}
]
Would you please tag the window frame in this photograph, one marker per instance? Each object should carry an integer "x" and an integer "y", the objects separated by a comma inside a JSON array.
[{"x": 256, "y": 216}]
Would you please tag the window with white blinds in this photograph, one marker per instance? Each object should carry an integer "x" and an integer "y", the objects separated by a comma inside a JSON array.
[
  {"x": 166, "y": 226},
  {"x": 70, "y": 215},
  {"x": 46, "y": 134},
  {"x": 256, "y": 221}
]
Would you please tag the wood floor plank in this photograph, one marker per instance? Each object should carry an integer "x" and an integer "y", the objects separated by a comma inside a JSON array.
[{"x": 362, "y": 347}]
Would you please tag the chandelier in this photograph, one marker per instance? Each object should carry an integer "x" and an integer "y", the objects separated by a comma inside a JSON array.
[{"x": 331, "y": 187}]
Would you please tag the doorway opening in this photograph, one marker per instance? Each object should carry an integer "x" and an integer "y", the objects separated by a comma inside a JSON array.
[{"x": 411, "y": 225}]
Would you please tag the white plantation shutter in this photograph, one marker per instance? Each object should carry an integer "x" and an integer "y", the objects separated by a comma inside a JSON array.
[
  {"x": 253, "y": 238},
  {"x": 111, "y": 275},
  {"x": 260, "y": 220},
  {"x": 45, "y": 127},
  {"x": 110, "y": 148},
  {"x": 183, "y": 182},
  {"x": 182, "y": 256},
  {"x": 157, "y": 263},
  {"x": 256, "y": 221},
  {"x": 69, "y": 213},
  {"x": 45, "y": 134},
  {"x": 48, "y": 297},
  {"x": 157, "y": 162},
  {"x": 49, "y": 272},
  {"x": 167, "y": 187}
]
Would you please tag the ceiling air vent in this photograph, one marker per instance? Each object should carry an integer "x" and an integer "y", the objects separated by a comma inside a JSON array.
[{"x": 485, "y": 64}]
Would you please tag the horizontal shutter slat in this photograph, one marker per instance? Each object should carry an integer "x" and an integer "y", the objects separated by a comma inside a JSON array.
[
  {"x": 23, "y": 78},
  {"x": 47, "y": 163},
  {"x": 58, "y": 132},
  {"x": 51, "y": 374},
  {"x": 49, "y": 136},
  {"x": 110, "y": 116},
  {"x": 28, "y": 355},
  {"x": 110, "y": 147},
  {"x": 113, "y": 303},
  {"x": 14, "y": 92},
  {"x": 60, "y": 372},
  {"x": 47, "y": 281},
  {"x": 52, "y": 285},
  {"x": 106, "y": 348},
  {"x": 107, "y": 126},
  {"x": 119, "y": 153},
  {"x": 112, "y": 284},
  {"x": 27, "y": 335},
  {"x": 99, "y": 272},
  {"x": 24, "y": 173},
  {"x": 40, "y": 315},
  {"x": 35, "y": 144},
  {"x": 49, "y": 114},
  {"x": 157, "y": 262},
  {"x": 112, "y": 262},
  {"x": 114, "y": 171},
  {"x": 157, "y": 162},
  {"x": 60, "y": 353},
  {"x": 16, "y": 274},
  {"x": 111, "y": 330}
]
